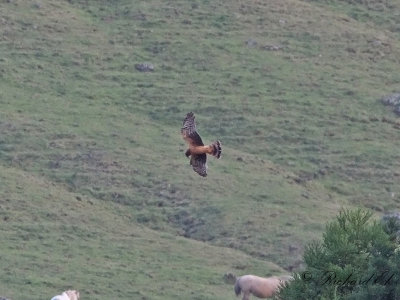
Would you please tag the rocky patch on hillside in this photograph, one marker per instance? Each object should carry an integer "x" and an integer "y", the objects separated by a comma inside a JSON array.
[{"x": 392, "y": 100}]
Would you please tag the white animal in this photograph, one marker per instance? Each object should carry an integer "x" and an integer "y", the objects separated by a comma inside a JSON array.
[
  {"x": 67, "y": 295},
  {"x": 259, "y": 286}
]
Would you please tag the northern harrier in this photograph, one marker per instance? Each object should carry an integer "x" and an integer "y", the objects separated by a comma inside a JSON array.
[{"x": 197, "y": 150}]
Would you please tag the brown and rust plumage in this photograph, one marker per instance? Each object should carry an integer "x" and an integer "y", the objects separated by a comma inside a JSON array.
[{"x": 197, "y": 150}]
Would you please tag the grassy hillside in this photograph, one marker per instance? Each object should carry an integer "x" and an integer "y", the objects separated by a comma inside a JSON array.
[
  {"x": 291, "y": 88},
  {"x": 53, "y": 239}
]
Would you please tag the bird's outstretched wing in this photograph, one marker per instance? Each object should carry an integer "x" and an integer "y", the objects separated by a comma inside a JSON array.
[
  {"x": 189, "y": 132},
  {"x": 199, "y": 164}
]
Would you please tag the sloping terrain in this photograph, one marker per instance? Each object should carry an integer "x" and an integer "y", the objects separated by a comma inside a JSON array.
[
  {"x": 291, "y": 88},
  {"x": 54, "y": 240}
]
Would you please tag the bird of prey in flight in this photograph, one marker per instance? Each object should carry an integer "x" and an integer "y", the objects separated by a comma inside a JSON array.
[{"x": 197, "y": 150}]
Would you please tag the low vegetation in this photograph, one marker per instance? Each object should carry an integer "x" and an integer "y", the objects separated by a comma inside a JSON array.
[{"x": 357, "y": 259}]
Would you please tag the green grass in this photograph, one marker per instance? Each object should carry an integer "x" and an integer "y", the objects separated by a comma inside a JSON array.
[
  {"x": 302, "y": 129},
  {"x": 58, "y": 240}
]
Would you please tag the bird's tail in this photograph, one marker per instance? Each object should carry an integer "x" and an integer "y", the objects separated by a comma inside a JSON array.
[{"x": 216, "y": 149}]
